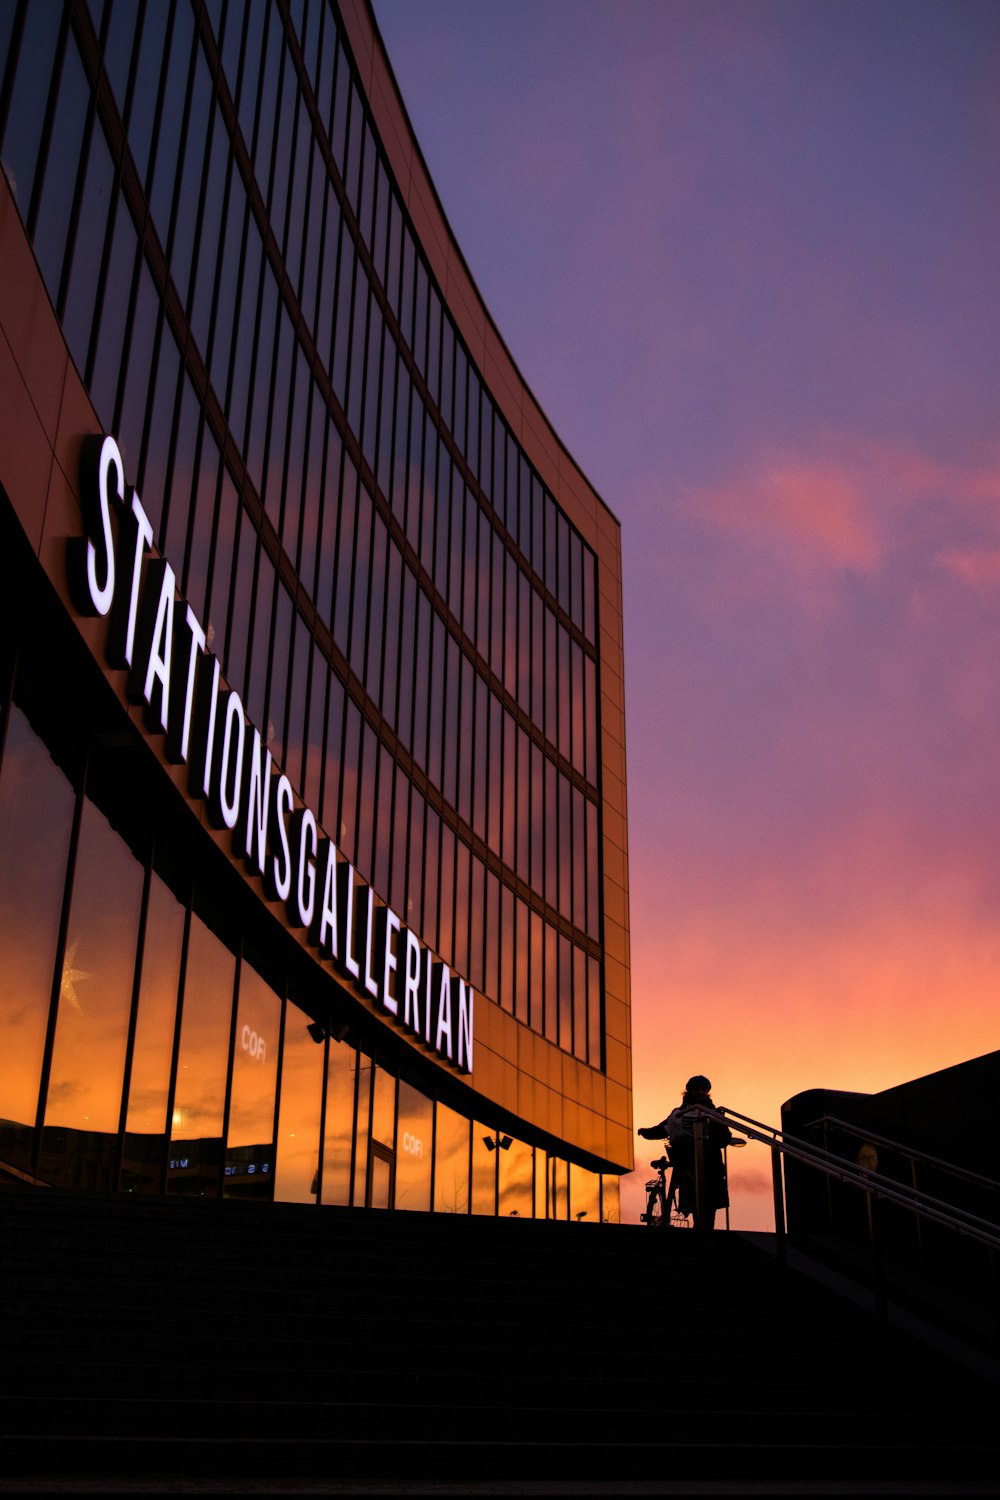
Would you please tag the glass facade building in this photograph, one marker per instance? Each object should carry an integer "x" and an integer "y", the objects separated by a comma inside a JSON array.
[{"x": 313, "y": 858}]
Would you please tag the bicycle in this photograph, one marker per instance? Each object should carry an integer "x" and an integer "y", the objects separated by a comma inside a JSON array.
[{"x": 663, "y": 1199}]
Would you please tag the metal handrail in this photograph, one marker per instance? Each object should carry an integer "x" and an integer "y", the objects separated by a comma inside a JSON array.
[
  {"x": 871, "y": 1183},
  {"x": 907, "y": 1151},
  {"x": 875, "y": 1187}
]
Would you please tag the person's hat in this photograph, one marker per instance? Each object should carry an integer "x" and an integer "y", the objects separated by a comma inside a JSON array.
[{"x": 699, "y": 1084}]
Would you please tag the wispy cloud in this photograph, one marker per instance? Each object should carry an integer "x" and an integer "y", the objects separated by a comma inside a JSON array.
[
  {"x": 811, "y": 511},
  {"x": 979, "y": 568},
  {"x": 848, "y": 507}
]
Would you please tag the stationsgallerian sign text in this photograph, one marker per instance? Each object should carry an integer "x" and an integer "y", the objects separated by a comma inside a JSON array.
[{"x": 158, "y": 640}]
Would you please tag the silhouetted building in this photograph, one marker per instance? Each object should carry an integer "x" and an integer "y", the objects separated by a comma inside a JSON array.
[{"x": 936, "y": 1134}]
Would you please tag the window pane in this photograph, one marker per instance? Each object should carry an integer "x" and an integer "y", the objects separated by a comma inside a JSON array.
[
  {"x": 91, "y": 228},
  {"x": 36, "y": 813},
  {"x": 174, "y": 99},
  {"x": 384, "y": 1108},
  {"x": 151, "y": 52},
  {"x": 149, "y": 1081},
  {"x": 249, "y": 1171},
  {"x": 339, "y": 1124},
  {"x": 28, "y": 101},
  {"x": 451, "y": 1162},
  {"x": 198, "y": 128},
  {"x": 580, "y": 1038},
  {"x": 517, "y": 1180},
  {"x": 200, "y": 1093},
  {"x": 61, "y": 169},
  {"x": 484, "y": 1168},
  {"x": 584, "y": 1194},
  {"x": 594, "y": 1016},
  {"x": 364, "y": 1098},
  {"x": 135, "y": 391},
  {"x": 413, "y": 1149},
  {"x": 297, "y": 1169},
  {"x": 114, "y": 318},
  {"x": 88, "y": 1060}
]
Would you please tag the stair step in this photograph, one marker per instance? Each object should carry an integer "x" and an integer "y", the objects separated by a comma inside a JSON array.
[{"x": 200, "y": 1338}]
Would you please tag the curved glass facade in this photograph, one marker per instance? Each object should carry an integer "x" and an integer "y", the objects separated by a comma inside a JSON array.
[{"x": 398, "y": 607}]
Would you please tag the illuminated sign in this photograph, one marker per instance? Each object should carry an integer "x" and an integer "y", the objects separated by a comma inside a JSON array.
[{"x": 156, "y": 638}]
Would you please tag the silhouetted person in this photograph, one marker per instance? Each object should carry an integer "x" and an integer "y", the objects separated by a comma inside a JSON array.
[{"x": 678, "y": 1128}]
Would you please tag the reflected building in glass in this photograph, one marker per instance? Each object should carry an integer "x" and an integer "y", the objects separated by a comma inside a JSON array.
[{"x": 313, "y": 860}]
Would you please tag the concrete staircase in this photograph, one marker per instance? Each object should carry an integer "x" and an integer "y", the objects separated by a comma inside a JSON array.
[{"x": 209, "y": 1342}]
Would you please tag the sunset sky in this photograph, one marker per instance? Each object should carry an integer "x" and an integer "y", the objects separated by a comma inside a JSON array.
[{"x": 747, "y": 256}]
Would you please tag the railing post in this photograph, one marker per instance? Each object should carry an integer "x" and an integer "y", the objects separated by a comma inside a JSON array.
[
  {"x": 780, "y": 1242},
  {"x": 829, "y": 1180},
  {"x": 916, "y": 1212},
  {"x": 725, "y": 1182},
  {"x": 878, "y": 1284}
]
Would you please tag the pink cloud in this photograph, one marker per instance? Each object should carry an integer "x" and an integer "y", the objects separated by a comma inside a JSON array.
[
  {"x": 846, "y": 510},
  {"x": 812, "y": 511},
  {"x": 980, "y": 569}
]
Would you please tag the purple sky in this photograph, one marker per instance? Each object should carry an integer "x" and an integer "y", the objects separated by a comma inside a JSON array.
[{"x": 747, "y": 256}]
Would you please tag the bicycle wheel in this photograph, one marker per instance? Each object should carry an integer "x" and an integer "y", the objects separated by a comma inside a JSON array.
[
  {"x": 655, "y": 1216},
  {"x": 681, "y": 1191}
]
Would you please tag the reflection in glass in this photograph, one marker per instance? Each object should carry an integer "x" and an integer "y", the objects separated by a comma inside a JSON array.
[
  {"x": 537, "y": 996},
  {"x": 413, "y": 1153},
  {"x": 249, "y": 1168},
  {"x": 363, "y": 1065},
  {"x": 339, "y": 1124},
  {"x": 550, "y": 981},
  {"x": 580, "y": 1003},
  {"x": 491, "y": 929},
  {"x": 297, "y": 1167},
  {"x": 595, "y": 1016},
  {"x": 558, "y": 1188},
  {"x": 383, "y": 812},
  {"x": 484, "y": 1168},
  {"x": 95, "y": 997},
  {"x": 53, "y": 210},
  {"x": 195, "y": 1159},
  {"x": 451, "y": 1162},
  {"x": 81, "y": 290},
  {"x": 584, "y": 1194},
  {"x": 565, "y": 991},
  {"x": 36, "y": 814},
  {"x": 26, "y": 110},
  {"x": 379, "y": 1193},
  {"x": 593, "y": 874},
  {"x": 610, "y": 1200},
  {"x": 152, "y": 1049},
  {"x": 384, "y": 1109},
  {"x": 541, "y": 1184},
  {"x": 517, "y": 1173},
  {"x": 576, "y": 702}
]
